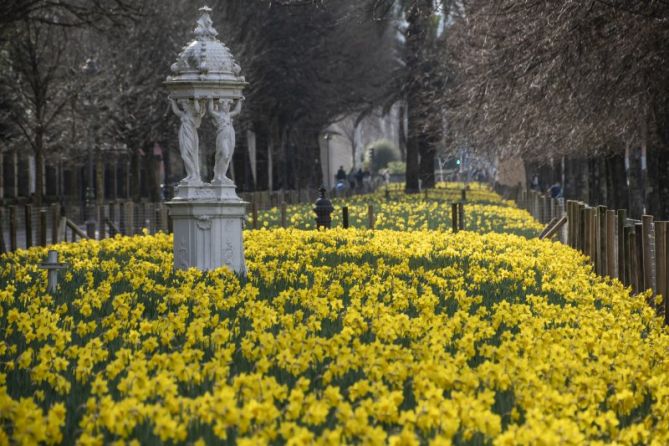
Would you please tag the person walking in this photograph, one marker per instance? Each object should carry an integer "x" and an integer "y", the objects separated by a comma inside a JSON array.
[
  {"x": 358, "y": 179},
  {"x": 341, "y": 174},
  {"x": 351, "y": 178}
]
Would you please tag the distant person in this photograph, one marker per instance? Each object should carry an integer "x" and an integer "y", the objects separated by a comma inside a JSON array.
[
  {"x": 367, "y": 180},
  {"x": 386, "y": 176},
  {"x": 555, "y": 191},
  {"x": 358, "y": 178},
  {"x": 535, "y": 184},
  {"x": 341, "y": 174},
  {"x": 351, "y": 178}
]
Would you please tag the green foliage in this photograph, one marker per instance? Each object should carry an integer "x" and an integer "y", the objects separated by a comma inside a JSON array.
[
  {"x": 384, "y": 152},
  {"x": 397, "y": 167}
]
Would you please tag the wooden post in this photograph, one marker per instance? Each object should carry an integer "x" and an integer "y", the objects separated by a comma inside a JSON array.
[
  {"x": 571, "y": 220},
  {"x": 146, "y": 216},
  {"x": 164, "y": 219},
  {"x": 661, "y": 262},
  {"x": 370, "y": 216},
  {"x": 640, "y": 267},
  {"x": 582, "y": 227},
  {"x": 42, "y": 227},
  {"x": 122, "y": 225},
  {"x": 634, "y": 282},
  {"x": 622, "y": 244},
  {"x": 648, "y": 261},
  {"x": 100, "y": 214},
  {"x": 284, "y": 211},
  {"x": 55, "y": 218},
  {"x": 344, "y": 212},
  {"x": 112, "y": 218},
  {"x": 463, "y": 195},
  {"x": 454, "y": 217},
  {"x": 28, "y": 212},
  {"x": 601, "y": 240},
  {"x": 461, "y": 216},
  {"x": 594, "y": 229},
  {"x": 611, "y": 258},
  {"x": 62, "y": 228},
  {"x": 666, "y": 272},
  {"x": 129, "y": 217},
  {"x": 90, "y": 229},
  {"x": 584, "y": 223},
  {"x": 548, "y": 228},
  {"x": 13, "y": 224},
  {"x": 553, "y": 227},
  {"x": 426, "y": 194},
  {"x": 3, "y": 244},
  {"x": 628, "y": 236},
  {"x": 75, "y": 229},
  {"x": 157, "y": 217}
]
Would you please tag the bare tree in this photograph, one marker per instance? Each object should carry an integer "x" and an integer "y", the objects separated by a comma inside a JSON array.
[
  {"x": 553, "y": 79},
  {"x": 39, "y": 86}
]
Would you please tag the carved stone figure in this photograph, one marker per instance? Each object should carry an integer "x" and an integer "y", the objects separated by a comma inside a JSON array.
[
  {"x": 225, "y": 136},
  {"x": 191, "y": 117}
]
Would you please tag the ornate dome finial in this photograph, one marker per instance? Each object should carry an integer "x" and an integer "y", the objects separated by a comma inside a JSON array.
[{"x": 205, "y": 29}]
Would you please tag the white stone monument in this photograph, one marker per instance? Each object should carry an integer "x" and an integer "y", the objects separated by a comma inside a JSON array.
[{"x": 207, "y": 217}]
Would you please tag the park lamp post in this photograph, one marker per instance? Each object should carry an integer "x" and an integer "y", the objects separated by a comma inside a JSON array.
[
  {"x": 327, "y": 136},
  {"x": 90, "y": 69}
]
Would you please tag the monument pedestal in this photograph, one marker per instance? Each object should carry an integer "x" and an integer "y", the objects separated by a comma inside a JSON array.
[{"x": 207, "y": 221}]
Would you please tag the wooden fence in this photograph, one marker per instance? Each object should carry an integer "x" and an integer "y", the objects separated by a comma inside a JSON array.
[
  {"x": 24, "y": 226},
  {"x": 636, "y": 252}
]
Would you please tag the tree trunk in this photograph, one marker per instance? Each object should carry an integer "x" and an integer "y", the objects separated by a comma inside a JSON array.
[
  {"x": 150, "y": 166},
  {"x": 39, "y": 167},
  {"x": 412, "y": 166},
  {"x": 635, "y": 184},
  {"x": 284, "y": 158},
  {"x": 427, "y": 156},
  {"x": 99, "y": 180},
  {"x": 415, "y": 43},
  {"x": 402, "y": 134},
  {"x": 114, "y": 180},
  {"x": 662, "y": 212},
  {"x": 576, "y": 183},
  {"x": 615, "y": 182},
  {"x": 2, "y": 177},
  {"x": 661, "y": 127}
]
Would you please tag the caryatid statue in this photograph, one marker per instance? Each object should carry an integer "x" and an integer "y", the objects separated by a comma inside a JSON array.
[
  {"x": 225, "y": 136},
  {"x": 190, "y": 114}
]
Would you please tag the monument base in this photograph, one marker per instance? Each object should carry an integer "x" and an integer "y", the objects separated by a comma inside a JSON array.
[
  {"x": 207, "y": 191},
  {"x": 208, "y": 228}
]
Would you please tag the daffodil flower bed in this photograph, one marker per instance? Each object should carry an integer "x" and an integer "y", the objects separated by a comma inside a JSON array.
[
  {"x": 341, "y": 336},
  {"x": 485, "y": 211}
]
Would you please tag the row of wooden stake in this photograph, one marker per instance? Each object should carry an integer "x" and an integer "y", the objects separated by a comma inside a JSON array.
[
  {"x": 635, "y": 252},
  {"x": 457, "y": 216},
  {"x": 52, "y": 221}
]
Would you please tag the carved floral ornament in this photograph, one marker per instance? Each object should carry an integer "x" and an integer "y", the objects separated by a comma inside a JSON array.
[{"x": 203, "y": 222}]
